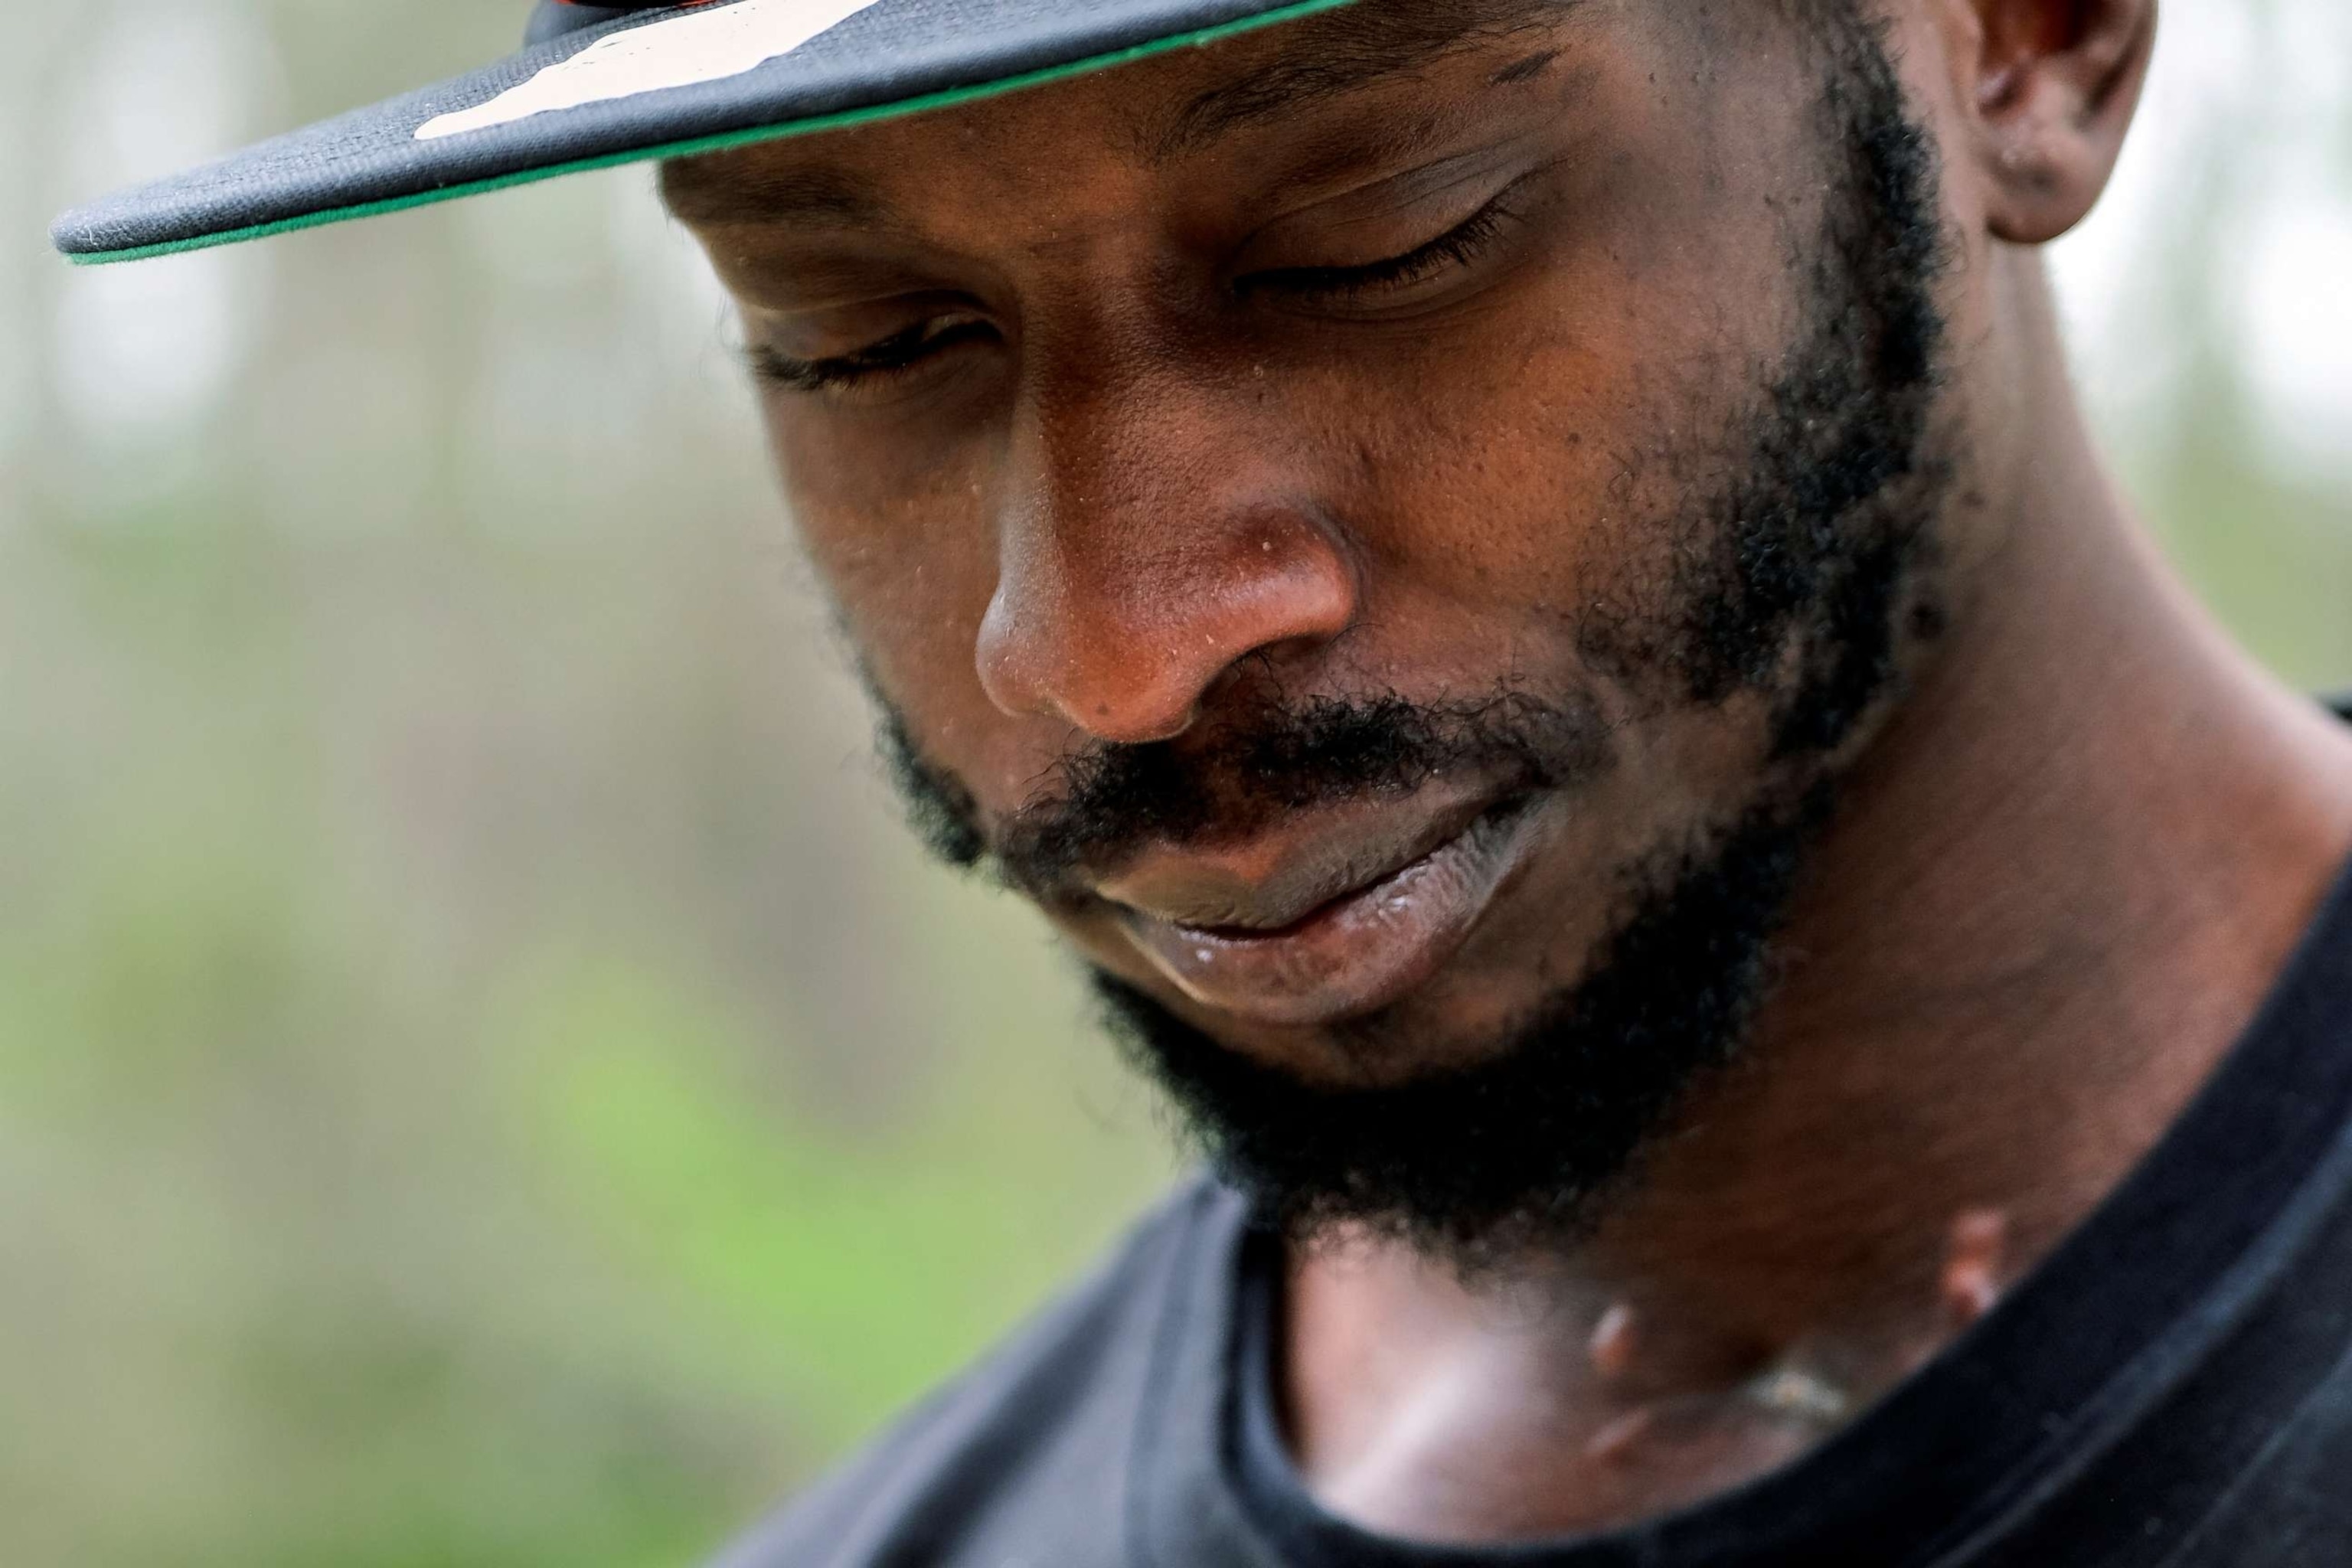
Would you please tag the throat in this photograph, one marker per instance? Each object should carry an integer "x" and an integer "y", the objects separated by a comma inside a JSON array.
[{"x": 1543, "y": 1404}]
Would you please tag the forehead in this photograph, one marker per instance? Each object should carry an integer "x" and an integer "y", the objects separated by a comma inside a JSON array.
[{"x": 1181, "y": 106}]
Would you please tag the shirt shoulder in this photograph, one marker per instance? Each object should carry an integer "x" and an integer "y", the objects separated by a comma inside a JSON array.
[{"x": 1023, "y": 1457}]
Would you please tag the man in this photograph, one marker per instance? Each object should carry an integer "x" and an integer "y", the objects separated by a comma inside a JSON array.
[{"x": 1522, "y": 580}]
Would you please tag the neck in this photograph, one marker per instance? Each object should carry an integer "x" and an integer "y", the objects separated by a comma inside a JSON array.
[{"x": 2059, "y": 886}]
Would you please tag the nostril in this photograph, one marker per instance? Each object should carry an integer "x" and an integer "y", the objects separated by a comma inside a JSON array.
[{"x": 1263, "y": 668}]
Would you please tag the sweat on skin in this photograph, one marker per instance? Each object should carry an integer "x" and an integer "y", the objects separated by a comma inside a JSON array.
[{"x": 1524, "y": 585}]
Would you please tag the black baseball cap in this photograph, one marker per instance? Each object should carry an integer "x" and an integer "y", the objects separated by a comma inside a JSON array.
[{"x": 594, "y": 86}]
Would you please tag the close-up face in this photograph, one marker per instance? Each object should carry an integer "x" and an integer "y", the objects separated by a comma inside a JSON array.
[{"x": 1390, "y": 529}]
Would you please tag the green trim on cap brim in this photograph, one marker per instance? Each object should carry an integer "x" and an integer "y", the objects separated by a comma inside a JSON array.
[{"x": 946, "y": 97}]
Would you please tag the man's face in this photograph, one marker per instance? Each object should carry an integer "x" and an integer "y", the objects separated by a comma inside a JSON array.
[{"x": 1387, "y": 527}]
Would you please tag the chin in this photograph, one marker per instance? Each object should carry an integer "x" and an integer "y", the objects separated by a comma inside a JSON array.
[{"x": 1518, "y": 1084}]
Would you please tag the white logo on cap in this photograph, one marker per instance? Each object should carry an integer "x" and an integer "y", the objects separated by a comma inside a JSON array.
[{"x": 676, "y": 51}]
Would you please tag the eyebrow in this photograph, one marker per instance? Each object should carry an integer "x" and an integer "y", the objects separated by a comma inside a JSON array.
[
  {"x": 1333, "y": 55},
  {"x": 1347, "y": 51},
  {"x": 809, "y": 195}
]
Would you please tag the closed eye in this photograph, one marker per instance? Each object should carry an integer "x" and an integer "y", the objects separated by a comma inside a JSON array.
[
  {"x": 910, "y": 347},
  {"x": 1458, "y": 247},
  {"x": 901, "y": 351}
]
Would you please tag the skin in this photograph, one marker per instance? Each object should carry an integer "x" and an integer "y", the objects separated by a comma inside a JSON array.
[{"x": 2068, "y": 861}]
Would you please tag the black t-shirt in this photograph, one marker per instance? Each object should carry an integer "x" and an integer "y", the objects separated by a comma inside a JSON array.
[{"x": 2172, "y": 1388}]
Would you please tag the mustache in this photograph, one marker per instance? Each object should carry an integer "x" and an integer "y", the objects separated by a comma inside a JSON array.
[{"x": 1101, "y": 804}]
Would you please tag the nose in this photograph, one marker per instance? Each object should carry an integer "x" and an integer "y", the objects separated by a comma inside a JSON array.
[{"x": 1150, "y": 540}]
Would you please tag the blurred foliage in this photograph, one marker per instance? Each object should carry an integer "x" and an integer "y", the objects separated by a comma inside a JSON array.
[{"x": 483, "y": 1078}]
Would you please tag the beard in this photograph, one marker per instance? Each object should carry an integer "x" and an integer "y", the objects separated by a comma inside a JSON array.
[
  {"x": 1799, "y": 578},
  {"x": 1523, "y": 1146}
]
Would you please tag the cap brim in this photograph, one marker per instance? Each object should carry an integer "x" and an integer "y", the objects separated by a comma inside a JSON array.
[{"x": 664, "y": 84}]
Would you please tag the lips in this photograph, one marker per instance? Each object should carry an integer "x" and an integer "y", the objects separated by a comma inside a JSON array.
[{"x": 1340, "y": 921}]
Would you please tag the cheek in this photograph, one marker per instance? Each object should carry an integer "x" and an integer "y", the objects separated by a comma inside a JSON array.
[
  {"x": 1545, "y": 481},
  {"x": 1557, "y": 457},
  {"x": 889, "y": 521},
  {"x": 899, "y": 542}
]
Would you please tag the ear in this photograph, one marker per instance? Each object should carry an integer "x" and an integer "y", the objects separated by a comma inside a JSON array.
[{"x": 2050, "y": 92}]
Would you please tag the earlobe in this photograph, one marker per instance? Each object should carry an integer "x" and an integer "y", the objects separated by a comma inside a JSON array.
[{"x": 2055, "y": 83}]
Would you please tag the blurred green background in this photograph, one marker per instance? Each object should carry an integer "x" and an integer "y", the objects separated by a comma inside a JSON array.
[{"x": 483, "y": 1078}]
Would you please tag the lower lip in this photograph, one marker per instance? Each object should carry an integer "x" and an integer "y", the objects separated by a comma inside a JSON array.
[{"x": 1354, "y": 954}]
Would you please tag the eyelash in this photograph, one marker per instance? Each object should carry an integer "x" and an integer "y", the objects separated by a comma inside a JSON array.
[
  {"x": 903, "y": 350},
  {"x": 1458, "y": 247}
]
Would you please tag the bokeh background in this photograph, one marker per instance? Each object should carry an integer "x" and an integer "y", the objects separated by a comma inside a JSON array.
[{"x": 483, "y": 1078}]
